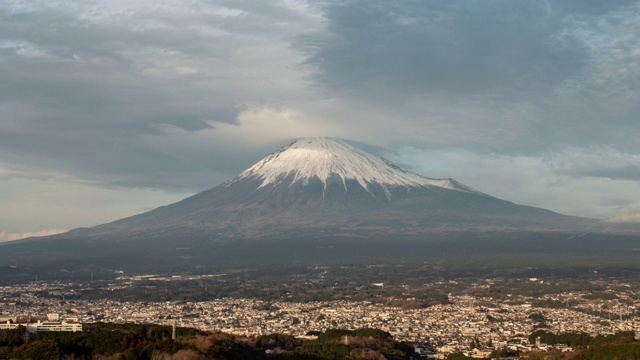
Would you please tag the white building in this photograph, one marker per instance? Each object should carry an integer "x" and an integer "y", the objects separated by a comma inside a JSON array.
[
  {"x": 53, "y": 326},
  {"x": 8, "y": 325}
]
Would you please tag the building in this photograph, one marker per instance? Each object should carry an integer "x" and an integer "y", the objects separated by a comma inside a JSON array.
[
  {"x": 53, "y": 326},
  {"x": 8, "y": 325}
]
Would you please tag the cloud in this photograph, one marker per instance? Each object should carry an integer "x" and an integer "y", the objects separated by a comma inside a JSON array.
[
  {"x": 39, "y": 199},
  {"x": 4, "y": 236},
  {"x": 145, "y": 102},
  {"x": 449, "y": 47},
  {"x": 630, "y": 217},
  {"x": 80, "y": 96},
  {"x": 495, "y": 77},
  {"x": 604, "y": 162},
  {"x": 549, "y": 182},
  {"x": 230, "y": 148}
]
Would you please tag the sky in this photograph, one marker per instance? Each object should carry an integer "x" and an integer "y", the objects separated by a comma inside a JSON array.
[{"x": 109, "y": 108}]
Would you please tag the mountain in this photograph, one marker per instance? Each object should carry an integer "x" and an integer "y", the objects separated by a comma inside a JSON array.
[
  {"x": 313, "y": 193},
  {"x": 328, "y": 185}
]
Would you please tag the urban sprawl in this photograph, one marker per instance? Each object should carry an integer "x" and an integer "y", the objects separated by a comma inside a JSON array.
[{"x": 473, "y": 325}]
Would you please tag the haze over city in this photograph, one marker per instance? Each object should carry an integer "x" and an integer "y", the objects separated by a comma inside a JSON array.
[{"x": 113, "y": 108}]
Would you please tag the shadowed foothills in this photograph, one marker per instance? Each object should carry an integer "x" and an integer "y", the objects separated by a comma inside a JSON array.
[{"x": 321, "y": 200}]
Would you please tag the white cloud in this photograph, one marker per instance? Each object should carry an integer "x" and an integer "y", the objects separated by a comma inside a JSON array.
[
  {"x": 266, "y": 124},
  {"x": 4, "y": 236},
  {"x": 627, "y": 217}
]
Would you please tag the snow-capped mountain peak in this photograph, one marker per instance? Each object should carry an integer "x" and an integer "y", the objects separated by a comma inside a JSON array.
[{"x": 325, "y": 158}]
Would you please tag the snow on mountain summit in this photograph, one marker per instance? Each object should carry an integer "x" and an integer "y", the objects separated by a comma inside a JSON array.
[{"x": 324, "y": 158}]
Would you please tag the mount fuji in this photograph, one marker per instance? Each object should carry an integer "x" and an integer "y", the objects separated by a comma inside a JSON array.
[
  {"x": 327, "y": 185},
  {"x": 312, "y": 194}
]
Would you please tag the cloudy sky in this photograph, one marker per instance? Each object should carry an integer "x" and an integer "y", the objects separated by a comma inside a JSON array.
[{"x": 112, "y": 107}]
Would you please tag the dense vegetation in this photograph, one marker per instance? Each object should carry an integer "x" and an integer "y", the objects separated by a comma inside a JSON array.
[
  {"x": 127, "y": 341},
  {"x": 153, "y": 342},
  {"x": 612, "y": 347},
  {"x": 573, "y": 340},
  {"x": 620, "y": 346}
]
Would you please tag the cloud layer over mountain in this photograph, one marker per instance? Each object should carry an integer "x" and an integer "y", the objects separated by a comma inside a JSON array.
[{"x": 111, "y": 107}]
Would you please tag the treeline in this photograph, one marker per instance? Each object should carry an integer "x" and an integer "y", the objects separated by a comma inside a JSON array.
[
  {"x": 128, "y": 341},
  {"x": 154, "y": 342},
  {"x": 570, "y": 339},
  {"x": 619, "y": 346},
  {"x": 581, "y": 339},
  {"x": 351, "y": 344}
]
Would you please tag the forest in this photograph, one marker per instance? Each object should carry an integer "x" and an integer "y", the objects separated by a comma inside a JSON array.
[
  {"x": 104, "y": 341},
  {"x": 154, "y": 342}
]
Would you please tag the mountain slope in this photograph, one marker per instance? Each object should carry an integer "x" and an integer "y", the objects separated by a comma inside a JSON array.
[
  {"x": 299, "y": 204},
  {"x": 317, "y": 201},
  {"x": 328, "y": 185}
]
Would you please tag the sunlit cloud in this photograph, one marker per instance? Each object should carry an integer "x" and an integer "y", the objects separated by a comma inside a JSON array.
[
  {"x": 631, "y": 217},
  {"x": 4, "y": 236}
]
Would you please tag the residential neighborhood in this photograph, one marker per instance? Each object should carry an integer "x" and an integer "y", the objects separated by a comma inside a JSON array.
[{"x": 473, "y": 325}]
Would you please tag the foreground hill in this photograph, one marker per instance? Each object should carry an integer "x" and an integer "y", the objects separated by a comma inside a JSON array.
[{"x": 145, "y": 342}]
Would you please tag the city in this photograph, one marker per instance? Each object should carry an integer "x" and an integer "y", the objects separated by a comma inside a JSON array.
[
  {"x": 319, "y": 180},
  {"x": 473, "y": 325}
]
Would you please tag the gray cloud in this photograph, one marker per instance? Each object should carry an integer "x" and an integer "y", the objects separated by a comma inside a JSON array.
[
  {"x": 624, "y": 173},
  {"x": 512, "y": 78},
  {"x": 418, "y": 46},
  {"x": 118, "y": 96},
  {"x": 82, "y": 83}
]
